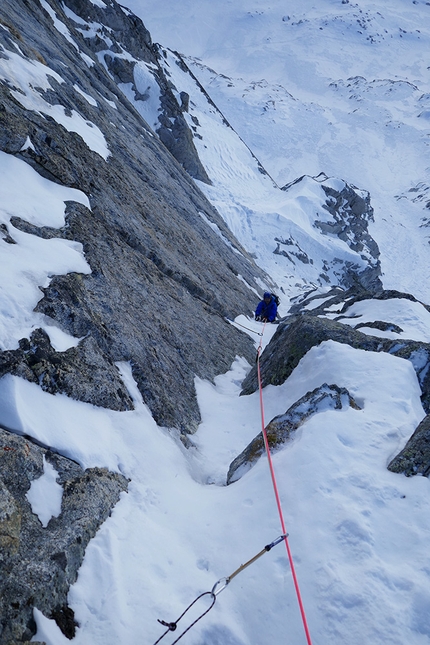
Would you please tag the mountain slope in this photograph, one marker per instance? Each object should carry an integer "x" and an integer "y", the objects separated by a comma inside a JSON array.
[
  {"x": 159, "y": 280},
  {"x": 334, "y": 87},
  {"x": 300, "y": 124}
]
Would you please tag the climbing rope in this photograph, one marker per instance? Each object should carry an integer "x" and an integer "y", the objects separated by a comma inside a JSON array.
[
  {"x": 219, "y": 586},
  {"x": 278, "y": 500},
  {"x": 233, "y": 322}
]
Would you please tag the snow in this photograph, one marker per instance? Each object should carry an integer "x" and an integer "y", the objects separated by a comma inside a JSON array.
[
  {"x": 29, "y": 78},
  {"x": 88, "y": 61},
  {"x": 45, "y": 495},
  {"x": 60, "y": 26},
  {"x": 27, "y": 145},
  {"x": 179, "y": 529},
  {"x": 26, "y": 194},
  {"x": 412, "y": 317},
  {"x": 86, "y": 96},
  {"x": 306, "y": 88},
  {"x": 32, "y": 261},
  {"x": 263, "y": 217},
  {"x": 216, "y": 229},
  {"x": 326, "y": 87},
  {"x": 148, "y": 101}
]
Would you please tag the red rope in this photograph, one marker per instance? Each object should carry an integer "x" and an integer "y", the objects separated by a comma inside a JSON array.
[{"x": 278, "y": 501}]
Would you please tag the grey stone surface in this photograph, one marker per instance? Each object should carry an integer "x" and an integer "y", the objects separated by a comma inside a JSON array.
[
  {"x": 162, "y": 280},
  {"x": 414, "y": 459},
  {"x": 37, "y": 564}
]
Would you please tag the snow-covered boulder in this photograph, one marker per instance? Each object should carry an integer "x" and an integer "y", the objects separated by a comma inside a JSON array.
[{"x": 279, "y": 430}]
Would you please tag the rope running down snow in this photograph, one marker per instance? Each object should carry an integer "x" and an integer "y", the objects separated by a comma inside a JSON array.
[
  {"x": 275, "y": 488},
  {"x": 219, "y": 586},
  {"x": 259, "y": 333}
]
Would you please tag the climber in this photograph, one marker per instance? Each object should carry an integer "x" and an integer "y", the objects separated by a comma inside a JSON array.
[{"x": 266, "y": 309}]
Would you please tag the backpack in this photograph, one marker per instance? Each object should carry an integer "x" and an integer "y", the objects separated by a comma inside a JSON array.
[{"x": 276, "y": 299}]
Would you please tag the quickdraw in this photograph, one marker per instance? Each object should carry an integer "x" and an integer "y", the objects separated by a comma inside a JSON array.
[{"x": 219, "y": 586}]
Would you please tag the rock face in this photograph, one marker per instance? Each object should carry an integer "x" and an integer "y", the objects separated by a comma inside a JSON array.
[
  {"x": 414, "y": 459},
  {"x": 162, "y": 280},
  {"x": 351, "y": 212},
  {"x": 109, "y": 31},
  {"x": 38, "y": 564},
  {"x": 280, "y": 429}
]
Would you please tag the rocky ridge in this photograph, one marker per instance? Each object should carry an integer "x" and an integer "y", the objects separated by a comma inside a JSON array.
[{"x": 309, "y": 325}]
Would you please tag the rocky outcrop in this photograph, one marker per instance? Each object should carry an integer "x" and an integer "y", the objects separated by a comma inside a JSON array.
[
  {"x": 81, "y": 371},
  {"x": 296, "y": 335},
  {"x": 414, "y": 459},
  {"x": 162, "y": 281},
  {"x": 280, "y": 429},
  {"x": 347, "y": 215},
  {"x": 351, "y": 213},
  {"x": 38, "y": 564}
]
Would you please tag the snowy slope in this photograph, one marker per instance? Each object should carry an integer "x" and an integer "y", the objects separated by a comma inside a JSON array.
[
  {"x": 334, "y": 87},
  {"x": 359, "y": 534},
  {"x": 279, "y": 226}
]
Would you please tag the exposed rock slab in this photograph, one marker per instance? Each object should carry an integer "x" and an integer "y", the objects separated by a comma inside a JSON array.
[
  {"x": 37, "y": 564},
  {"x": 162, "y": 280}
]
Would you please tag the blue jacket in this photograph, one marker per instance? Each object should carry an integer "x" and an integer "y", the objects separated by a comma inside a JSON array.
[{"x": 268, "y": 311}]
